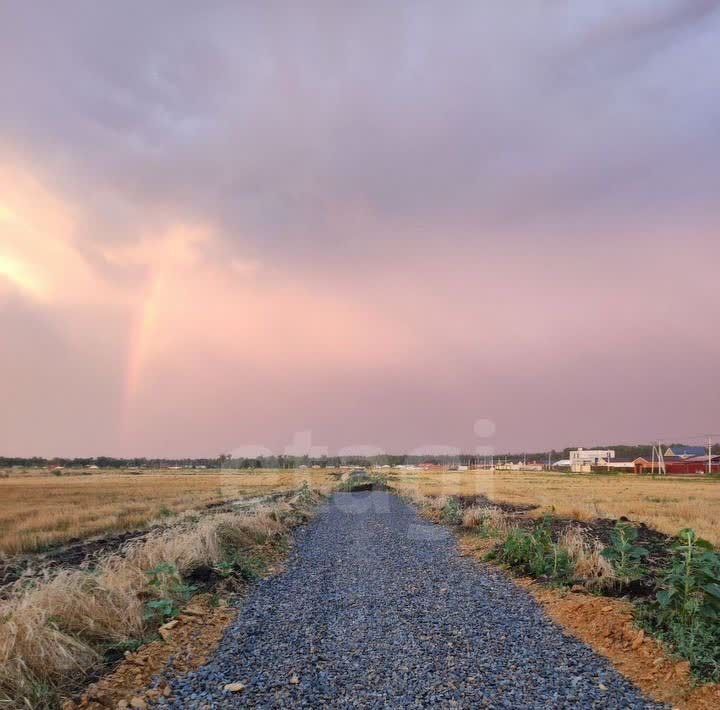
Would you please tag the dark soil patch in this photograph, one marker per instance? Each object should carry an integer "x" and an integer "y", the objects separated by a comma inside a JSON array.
[
  {"x": 359, "y": 486},
  {"x": 467, "y": 501},
  {"x": 203, "y": 577},
  {"x": 76, "y": 553}
]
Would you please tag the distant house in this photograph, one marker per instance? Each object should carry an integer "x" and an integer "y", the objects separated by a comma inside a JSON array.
[
  {"x": 685, "y": 452},
  {"x": 643, "y": 465},
  {"x": 582, "y": 460},
  {"x": 677, "y": 466}
]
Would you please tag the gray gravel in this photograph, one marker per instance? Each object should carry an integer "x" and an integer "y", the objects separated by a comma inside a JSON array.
[{"x": 378, "y": 610}]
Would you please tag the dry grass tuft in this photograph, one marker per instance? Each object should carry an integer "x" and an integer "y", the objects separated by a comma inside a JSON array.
[
  {"x": 416, "y": 498},
  {"x": 35, "y": 653},
  {"x": 474, "y": 516},
  {"x": 436, "y": 502},
  {"x": 587, "y": 559},
  {"x": 490, "y": 518}
]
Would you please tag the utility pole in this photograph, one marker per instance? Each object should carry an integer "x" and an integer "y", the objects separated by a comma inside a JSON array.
[
  {"x": 652, "y": 462},
  {"x": 657, "y": 446},
  {"x": 661, "y": 460},
  {"x": 709, "y": 455}
]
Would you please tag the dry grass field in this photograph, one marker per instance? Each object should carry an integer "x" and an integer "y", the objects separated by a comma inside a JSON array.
[
  {"x": 668, "y": 504},
  {"x": 38, "y": 509}
]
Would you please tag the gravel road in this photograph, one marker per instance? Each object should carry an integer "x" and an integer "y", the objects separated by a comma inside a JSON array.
[{"x": 378, "y": 610}]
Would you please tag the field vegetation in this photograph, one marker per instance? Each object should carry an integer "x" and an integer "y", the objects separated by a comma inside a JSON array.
[
  {"x": 57, "y": 631},
  {"x": 673, "y": 579},
  {"x": 665, "y": 504},
  {"x": 551, "y": 527},
  {"x": 38, "y": 509}
]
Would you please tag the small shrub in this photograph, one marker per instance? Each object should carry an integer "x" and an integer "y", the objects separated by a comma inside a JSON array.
[
  {"x": 690, "y": 590},
  {"x": 452, "y": 513},
  {"x": 625, "y": 556},
  {"x": 686, "y": 610},
  {"x": 162, "y": 576},
  {"x": 533, "y": 552},
  {"x": 249, "y": 568},
  {"x": 305, "y": 495},
  {"x": 160, "y": 610},
  {"x": 166, "y": 582}
]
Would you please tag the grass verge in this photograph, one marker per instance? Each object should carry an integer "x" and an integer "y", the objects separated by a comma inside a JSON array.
[{"x": 60, "y": 631}]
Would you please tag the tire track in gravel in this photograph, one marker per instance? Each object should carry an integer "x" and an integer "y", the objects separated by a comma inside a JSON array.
[{"x": 377, "y": 609}]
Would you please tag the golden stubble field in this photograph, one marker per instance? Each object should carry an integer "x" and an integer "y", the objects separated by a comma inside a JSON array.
[
  {"x": 38, "y": 509},
  {"x": 668, "y": 504}
]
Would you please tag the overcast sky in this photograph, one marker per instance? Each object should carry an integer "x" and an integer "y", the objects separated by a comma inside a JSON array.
[{"x": 224, "y": 223}]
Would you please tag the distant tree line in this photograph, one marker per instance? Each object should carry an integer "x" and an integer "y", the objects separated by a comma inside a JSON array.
[
  {"x": 104, "y": 462},
  {"x": 227, "y": 461}
]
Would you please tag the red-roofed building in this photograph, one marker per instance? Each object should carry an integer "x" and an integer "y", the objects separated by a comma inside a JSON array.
[{"x": 694, "y": 466}]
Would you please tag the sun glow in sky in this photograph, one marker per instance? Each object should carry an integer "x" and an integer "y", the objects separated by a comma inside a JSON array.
[
  {"x": 19, "y": 274},
  {"x": 380, "y": 227}
]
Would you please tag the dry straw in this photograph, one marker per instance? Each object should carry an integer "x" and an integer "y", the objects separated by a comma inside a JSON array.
[{"x": 53, "y": 634}]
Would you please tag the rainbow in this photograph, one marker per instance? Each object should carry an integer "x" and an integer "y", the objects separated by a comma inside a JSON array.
[{"x": 142, "y": 336}]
